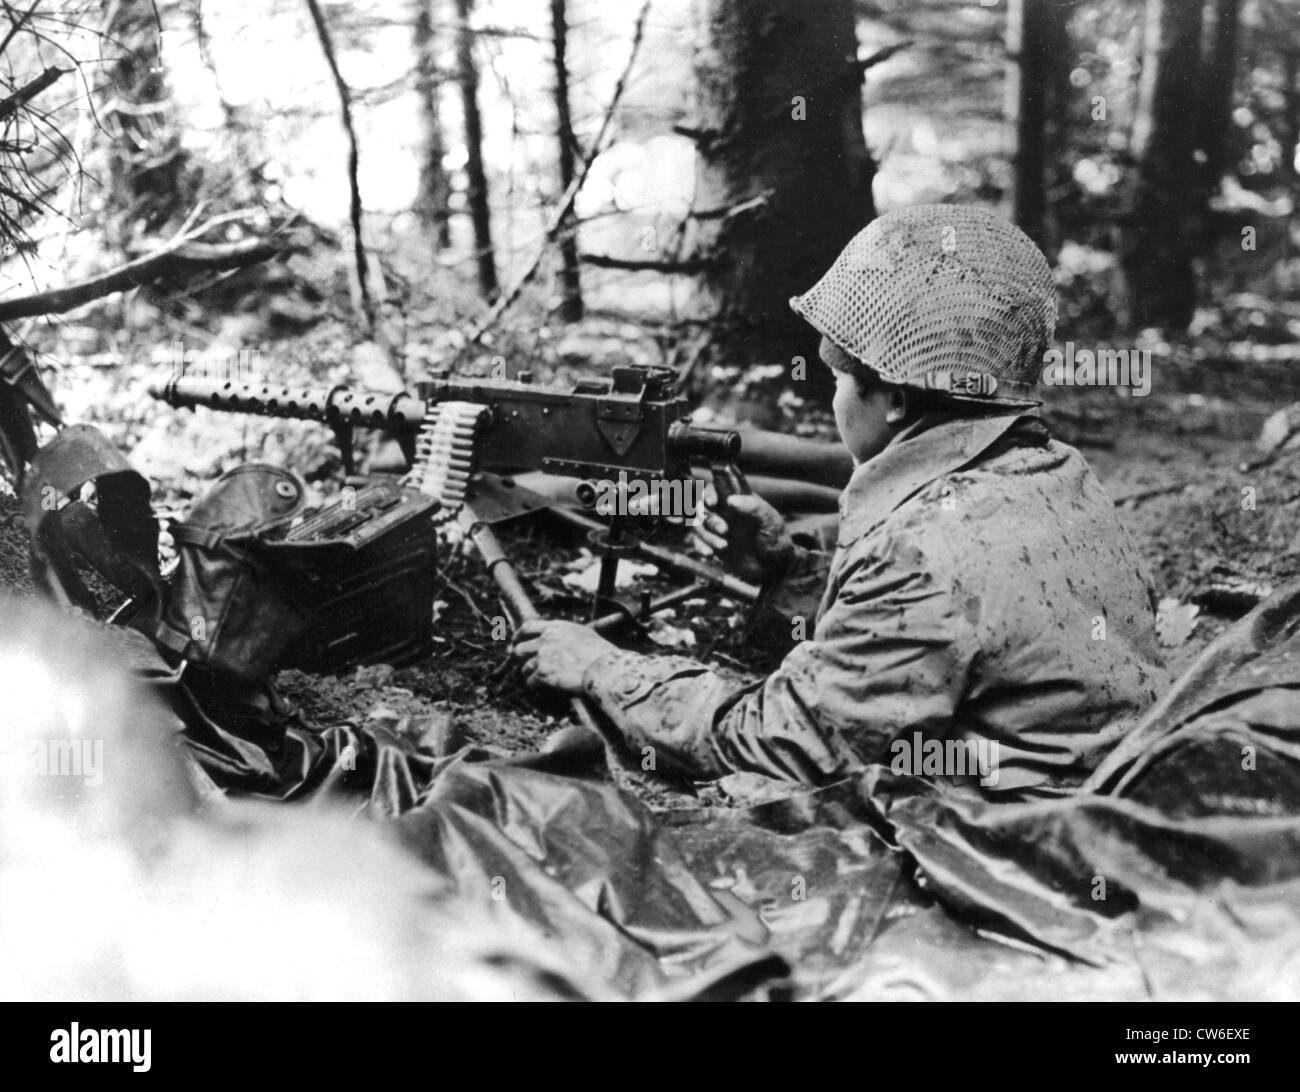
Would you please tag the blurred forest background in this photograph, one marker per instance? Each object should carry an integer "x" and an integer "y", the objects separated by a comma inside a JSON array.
[{"x": 360, "y": 191}]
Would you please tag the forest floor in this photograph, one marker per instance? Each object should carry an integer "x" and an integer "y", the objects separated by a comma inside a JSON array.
[{"x": 1216, "y": 517}]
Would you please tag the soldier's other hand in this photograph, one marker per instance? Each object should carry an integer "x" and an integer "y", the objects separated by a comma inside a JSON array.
[
  {"x": 773, "y": 547},
  {"x": 709, "y": 530},
  {"x": 557, "y": 654}
]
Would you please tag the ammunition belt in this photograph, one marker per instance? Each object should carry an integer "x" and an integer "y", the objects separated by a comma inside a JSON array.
[{"x": 445, "y": 454}]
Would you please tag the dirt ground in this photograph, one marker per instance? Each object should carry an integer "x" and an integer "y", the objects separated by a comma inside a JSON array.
[{"x": 1217, "y": 519}]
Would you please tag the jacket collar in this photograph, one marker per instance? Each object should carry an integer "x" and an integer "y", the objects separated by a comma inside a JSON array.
[{"x": 917, "y": 456}]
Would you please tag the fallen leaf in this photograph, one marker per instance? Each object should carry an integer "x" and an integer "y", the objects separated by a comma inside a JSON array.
[
  {"x": 668, "y": 635},
  {"x": 588, "y": 577},
  {"x": 1282, "y": 429},
  {"x": 1175, "y": 621}
]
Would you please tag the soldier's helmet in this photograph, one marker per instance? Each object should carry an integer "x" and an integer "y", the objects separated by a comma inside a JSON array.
[{"x": 948, "y": 298}]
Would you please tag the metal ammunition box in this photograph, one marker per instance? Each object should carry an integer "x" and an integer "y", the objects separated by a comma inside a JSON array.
[{"x": 365, "y": 565}]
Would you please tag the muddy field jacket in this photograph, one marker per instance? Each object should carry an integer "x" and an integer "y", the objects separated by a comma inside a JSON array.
[{"x": 982, "y": 590}]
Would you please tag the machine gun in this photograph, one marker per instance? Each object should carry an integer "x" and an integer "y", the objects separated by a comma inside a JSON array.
[
  {"x": 631, "y": 422},
  {"x": 613, "y": 433}
]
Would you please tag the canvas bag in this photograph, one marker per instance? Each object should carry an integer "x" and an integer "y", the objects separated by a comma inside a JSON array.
[{"x": 229, "y": 610}]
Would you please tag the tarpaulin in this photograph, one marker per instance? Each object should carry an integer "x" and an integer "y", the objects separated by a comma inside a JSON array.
[
  {"x": 249, "y": 749},
  {"x": 1176, "y": 873}
]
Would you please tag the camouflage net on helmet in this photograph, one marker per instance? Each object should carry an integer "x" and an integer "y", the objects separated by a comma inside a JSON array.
[{"x": 945, "y": 297}]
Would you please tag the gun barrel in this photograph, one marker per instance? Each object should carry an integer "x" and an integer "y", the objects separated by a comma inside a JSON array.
[{"x": 364, "y": 409}]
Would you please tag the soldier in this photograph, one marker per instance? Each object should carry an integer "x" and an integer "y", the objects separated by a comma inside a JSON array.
[{"x": 982, "y": 591}]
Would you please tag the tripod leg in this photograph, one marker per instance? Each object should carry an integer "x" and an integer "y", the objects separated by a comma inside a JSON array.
[{"x": 521, "y": 605}]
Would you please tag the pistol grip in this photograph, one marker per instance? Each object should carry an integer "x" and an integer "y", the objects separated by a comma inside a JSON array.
[{"x": 742, "y": 533}]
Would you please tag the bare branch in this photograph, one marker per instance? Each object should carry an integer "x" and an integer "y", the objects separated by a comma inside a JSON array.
[
  {"x": 728, "y": 211},
  {"x": 882, "y": 55},
  {"x": 684, "y": 266},
  {"x": 184, "y": 253},
  {"x": 703, "y": 137},
  {"x": 18, "y": 24},
  {"x": 25, "y": 94}
]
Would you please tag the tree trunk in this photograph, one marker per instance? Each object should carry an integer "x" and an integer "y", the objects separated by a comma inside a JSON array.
[
  {"x": 1290, "y": 110},
  {"x": 1035, "y": 104},
  {"x": 433, "y": 194},
  {"x": 1161, "y": 207},
  {"x": 1291, "y": 133},
  {"x": 247, "y": 183},
  {"x": 360, "y": 261},
  {"x": 571, "y": 284},
  {"x": 476, "y": 195},
  {"x": 780, "y": 114},
  {"x": 1220, "y": 60},
  {"x": 145, "y": 160}
]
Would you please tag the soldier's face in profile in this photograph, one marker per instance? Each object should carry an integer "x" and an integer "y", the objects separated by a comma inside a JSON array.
[{"x": 861, "y": 416}]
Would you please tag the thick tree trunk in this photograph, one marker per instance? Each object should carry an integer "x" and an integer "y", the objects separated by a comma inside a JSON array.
[
  {"x": 570, "y": 279},
  {"x": 780, "y": 114},
  {"x": 476, "y": 195},
  {"x": 1036, "y": 41},
  {"x": 1161, "y": 231},
  {"x": 433, "y": 195}
]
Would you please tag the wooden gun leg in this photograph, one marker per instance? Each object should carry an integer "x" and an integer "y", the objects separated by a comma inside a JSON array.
[{"x": 521, "y": 606}]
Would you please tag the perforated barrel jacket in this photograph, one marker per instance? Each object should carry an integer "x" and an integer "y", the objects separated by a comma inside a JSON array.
[{"x": 982, "y": 589}]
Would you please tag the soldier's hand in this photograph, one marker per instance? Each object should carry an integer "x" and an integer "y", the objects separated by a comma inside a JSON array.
[
  {"x": 773, "y": 547},
  {"x": 557, "y": 653}
]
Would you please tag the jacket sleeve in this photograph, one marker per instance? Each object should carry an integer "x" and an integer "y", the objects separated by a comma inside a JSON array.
[
  {"x": 890, "y": 653},
  {"x": 799, "y": 593}
]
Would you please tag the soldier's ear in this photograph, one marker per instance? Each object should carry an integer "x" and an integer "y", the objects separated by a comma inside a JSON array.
[{"x": 899, "y": 405}]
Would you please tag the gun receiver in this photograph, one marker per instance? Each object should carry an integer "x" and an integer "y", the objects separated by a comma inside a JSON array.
[{"x": 630, "y": 423}]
